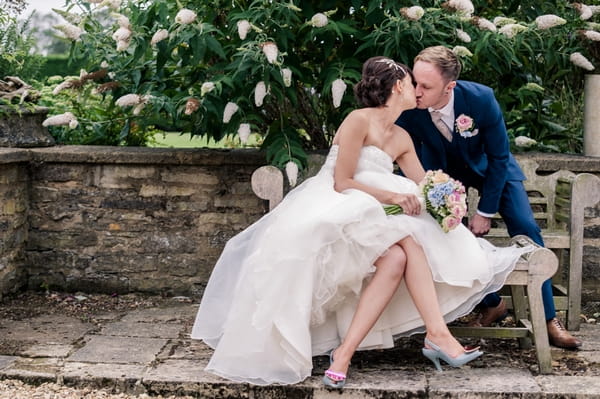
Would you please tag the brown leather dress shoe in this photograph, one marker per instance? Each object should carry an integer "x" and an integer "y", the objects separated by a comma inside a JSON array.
[
  {"x": 560, "y": 337},
  {"x": 487, "y": 316}
]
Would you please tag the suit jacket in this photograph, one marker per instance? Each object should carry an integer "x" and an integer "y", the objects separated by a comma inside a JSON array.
[{"x": 486, "y": 152}]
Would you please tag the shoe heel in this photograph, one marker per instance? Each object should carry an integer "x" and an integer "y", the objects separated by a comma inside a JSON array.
[{"x": 433, "y": 356}]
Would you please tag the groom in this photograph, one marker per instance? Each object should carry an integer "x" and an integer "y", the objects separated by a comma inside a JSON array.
[{"x": 458, "y": 127}]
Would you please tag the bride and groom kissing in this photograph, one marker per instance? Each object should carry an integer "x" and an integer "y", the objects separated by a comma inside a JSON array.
[{"x": 329, "y": 272}]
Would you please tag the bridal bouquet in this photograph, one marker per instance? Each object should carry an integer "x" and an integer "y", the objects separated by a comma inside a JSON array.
[{"x": 445, "y": 199}]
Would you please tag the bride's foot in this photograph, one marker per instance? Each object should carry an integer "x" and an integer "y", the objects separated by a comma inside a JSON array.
[
  {"x": 448, "y": 344},
  {"x": 434, "y": 353},
  {"x": 335, "y": 376}
]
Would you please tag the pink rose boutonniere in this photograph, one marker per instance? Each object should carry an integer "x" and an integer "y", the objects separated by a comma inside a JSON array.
[{"x": 465, "y": 125}]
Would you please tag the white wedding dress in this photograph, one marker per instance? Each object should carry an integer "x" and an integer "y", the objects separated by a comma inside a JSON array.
[{"x": 285, "y": 288}]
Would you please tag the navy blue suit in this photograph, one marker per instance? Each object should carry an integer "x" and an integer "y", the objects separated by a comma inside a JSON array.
[{"x": 482, "y": 160}]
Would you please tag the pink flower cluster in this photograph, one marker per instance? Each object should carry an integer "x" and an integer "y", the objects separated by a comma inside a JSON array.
[{"x": 445, "y": 199}]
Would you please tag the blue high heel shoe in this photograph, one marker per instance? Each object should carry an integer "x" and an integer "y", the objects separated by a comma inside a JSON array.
[
  {"x": 333, "y": 379},
  {"x": 436, "y": 353}
]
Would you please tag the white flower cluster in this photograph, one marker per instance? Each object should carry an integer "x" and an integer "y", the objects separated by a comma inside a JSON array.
[
  {"x": 413, "y": 13},
  {"x": 484, "y": 24},
  {"x": 243, "y": 27},
  {"x": 319, "y": 20},
  {"x": 185, "y": 16},
  {"x": 462, "y": 51},
  {"x": 338, "y": 88},
  {"x": 271, "y": 51},
  {"x": 524, "y": 141},
  {"x": 501, "y": 21},
  {"x": 549, "y": 21},
  {"x": 579, "y": 60},
  {"x": 291, "y": 170},
  {"x": 463, "y": 36},
  {"x": 62, "y": 120},
  {"x": 585, "y": 11},
  {"x": 206, "y": 88},
  {"x": 464, "y": 7},
  {"x": 159, "y": 36},
  {"x": 260, "y": 91},
  {"x": 64, "y": 85},
  {"x": 70, "y": 31},
  {"x": 286, "y": 74},
  {"x": 511, "y": 30},
  {"x": 230, "y": 109},
  {"x": 592, "y": 35},
  {"x": 133, "y": 100},
  {"x": 122, "y": 35},
  {"x": 244, "y": 132}
]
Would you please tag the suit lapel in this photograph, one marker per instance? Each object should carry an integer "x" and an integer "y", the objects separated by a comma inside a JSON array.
[{"x": 460, "y": 107}]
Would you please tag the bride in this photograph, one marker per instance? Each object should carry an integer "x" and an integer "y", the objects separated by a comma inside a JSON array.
[{"x": 327, "y": 271}]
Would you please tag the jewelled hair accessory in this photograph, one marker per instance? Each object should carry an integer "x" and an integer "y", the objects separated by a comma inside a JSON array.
[{"x": 391, "y": 64}]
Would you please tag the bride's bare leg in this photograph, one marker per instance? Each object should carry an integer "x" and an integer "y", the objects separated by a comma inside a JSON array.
[
  {"x": 372, "y": 302},
  {"x": 419, "y": 283}
]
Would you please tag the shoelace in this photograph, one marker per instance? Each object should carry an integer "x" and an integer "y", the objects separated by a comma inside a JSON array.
[{"x": 558, "y": 324}]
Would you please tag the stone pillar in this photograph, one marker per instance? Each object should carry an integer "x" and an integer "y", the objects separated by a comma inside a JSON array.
[{"x": 591, "y": 116}]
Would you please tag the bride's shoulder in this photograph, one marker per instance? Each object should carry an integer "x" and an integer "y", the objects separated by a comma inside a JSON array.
[
  {"x": 357, "y": 118},
  {"x": 360, "y": 113}
]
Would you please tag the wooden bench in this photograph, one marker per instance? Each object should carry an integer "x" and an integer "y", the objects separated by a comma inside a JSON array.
[
  {"x": 530, "y": 322},
  {"x": 530, "y": 272},
  {"x": 558, "y": 201}
]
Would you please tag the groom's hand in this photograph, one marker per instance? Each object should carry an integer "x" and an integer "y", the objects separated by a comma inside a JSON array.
[{"x": 480, "y": 225}]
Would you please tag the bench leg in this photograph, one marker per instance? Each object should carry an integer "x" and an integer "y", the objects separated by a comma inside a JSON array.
[
  {"x": 538, "y": 321},
  {"x": 520, "y": 308}
]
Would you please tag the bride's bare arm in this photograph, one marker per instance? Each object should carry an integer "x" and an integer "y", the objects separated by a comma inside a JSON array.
[{"x": 350, "y": 138}]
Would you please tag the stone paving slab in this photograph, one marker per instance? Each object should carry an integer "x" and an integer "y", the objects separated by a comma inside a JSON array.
[
  {"x": 139, "y": 329},
  {"x": 570, "y": 386},
  {"x": 48, "y": 350},
  {"x": 495, "y": 383},
  {"x": 173, "y": 314},
  {"x": 79, "y": 370},
  {"x": 46, "y": 329},
  {"x": 38, "y": 369},
  {"x": 124, "y": 350}
]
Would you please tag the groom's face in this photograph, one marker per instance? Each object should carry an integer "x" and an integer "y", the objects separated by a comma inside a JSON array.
[{"x": 432, "y": 89}]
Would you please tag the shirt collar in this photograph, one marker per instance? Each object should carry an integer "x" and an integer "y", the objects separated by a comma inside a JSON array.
[{"x": 448, "y": 109}]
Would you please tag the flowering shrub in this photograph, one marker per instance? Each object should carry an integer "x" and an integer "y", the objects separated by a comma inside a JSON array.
[
  {"x": 284, "y": 69},
  {"x": 445, "y": 199}
]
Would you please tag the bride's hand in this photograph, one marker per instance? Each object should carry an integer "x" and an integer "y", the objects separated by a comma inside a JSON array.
[{"x": 409, "y": 203}]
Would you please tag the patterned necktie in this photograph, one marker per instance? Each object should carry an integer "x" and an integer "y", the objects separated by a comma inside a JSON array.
[{"x": 436, "y": 118}]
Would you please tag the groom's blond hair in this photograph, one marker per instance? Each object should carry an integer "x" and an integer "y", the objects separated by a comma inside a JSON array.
[{"x": 443, "y": 58}]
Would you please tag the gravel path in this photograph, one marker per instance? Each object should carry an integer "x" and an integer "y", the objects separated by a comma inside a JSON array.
[{"x": 15, "y": 389}]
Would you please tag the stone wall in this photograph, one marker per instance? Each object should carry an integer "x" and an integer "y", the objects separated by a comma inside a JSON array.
[
  {"x": 146, "y": 220},
  {"x": 14, "y": 200},
  {"x": 115, "y": 220}
]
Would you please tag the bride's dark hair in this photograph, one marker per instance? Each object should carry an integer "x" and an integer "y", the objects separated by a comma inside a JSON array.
[{"x": 378, "y": 76}]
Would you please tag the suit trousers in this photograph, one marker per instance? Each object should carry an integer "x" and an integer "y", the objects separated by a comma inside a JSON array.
[{"x": 518, "y": 217}]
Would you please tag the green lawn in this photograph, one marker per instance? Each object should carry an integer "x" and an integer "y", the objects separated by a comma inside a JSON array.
[{"x": 177, "y": 140}]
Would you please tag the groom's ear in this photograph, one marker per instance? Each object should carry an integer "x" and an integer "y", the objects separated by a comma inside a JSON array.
[{"x": 451, "y": 85}]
